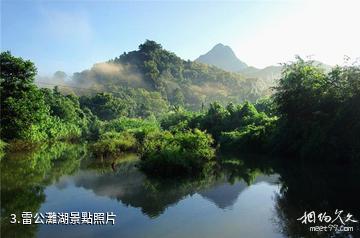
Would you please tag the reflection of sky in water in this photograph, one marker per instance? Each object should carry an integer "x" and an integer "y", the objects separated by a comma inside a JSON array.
[
  {"x": 218, "y": 210},
  {"x": 62, "y": 178}
]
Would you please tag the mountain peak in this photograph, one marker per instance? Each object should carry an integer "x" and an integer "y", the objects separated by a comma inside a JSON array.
[
  {"x": 219, "y": 45},
  {"x": 222, "y": 56}
]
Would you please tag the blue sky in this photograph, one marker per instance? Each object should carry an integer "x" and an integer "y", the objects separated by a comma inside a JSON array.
[{"x": 73, "y": 35}]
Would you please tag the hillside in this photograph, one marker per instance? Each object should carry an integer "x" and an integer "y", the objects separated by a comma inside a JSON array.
[
  {"x": 180, "y": 82},
  {"x": 223, "y": 57},
  {"x": 262, "y": 80}
]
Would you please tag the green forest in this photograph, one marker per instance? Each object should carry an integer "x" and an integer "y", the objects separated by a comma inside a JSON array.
[
  {"x": 154, "y": 73},
  {"x": 179, "y": 116}
]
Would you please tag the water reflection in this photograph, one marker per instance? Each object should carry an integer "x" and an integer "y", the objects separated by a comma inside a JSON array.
[
  {"x": 127, "y": 184},
  {"x": 224, "y": 195},
  {"x": 319, "y": 188},
  {"x": 246, "y": 189},
  {"x": 24, "y": 176}
]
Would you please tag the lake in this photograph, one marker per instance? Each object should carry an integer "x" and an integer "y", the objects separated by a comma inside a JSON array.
[{"x": 241, "y": 196}]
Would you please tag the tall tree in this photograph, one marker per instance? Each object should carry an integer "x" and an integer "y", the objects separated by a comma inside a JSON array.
[{"x": 23, "y": 109}]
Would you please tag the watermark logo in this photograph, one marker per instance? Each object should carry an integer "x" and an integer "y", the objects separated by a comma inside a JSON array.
[
  {"x": 64, "y": 218},
  {"x": 328, "y": 222}
]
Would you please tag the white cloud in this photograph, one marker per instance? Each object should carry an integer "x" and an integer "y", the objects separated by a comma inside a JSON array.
[{"x": 326, "y": 30}]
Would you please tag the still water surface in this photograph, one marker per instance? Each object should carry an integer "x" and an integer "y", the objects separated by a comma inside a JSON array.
[
  {"x": 238, "y": 199},
  {"x": 219, "y": 209}
]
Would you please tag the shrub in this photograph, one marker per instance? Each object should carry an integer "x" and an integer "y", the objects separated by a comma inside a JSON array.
[
  {"x": 2, "y": 148},
  {"x": 138, "y": 127},
  {"x": 176, "y": 120},
  {"x": 59, "y": 130},
  {"x": 253, "y": 137},
  {"x": 112, "y": 143},
  {"x": 167, "y": 154}
]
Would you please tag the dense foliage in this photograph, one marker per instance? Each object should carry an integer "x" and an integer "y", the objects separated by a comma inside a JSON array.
[
  {"x": 33, "y": 114},
  {"x": 125, "y": 102},
  {"x": 234, "y": 127},
  {"x": 319, "y": 112},
  {"x": 153, "y": 69},
  {"x": 23, "y": 108},
  {"x": 24, "y": 177},
  {"x": 122, "y": 135},
  {"x": 312, "y": 114},
  {"x": 2, "y": 149},
  {"x": 164, "y": 153},
  {"x": 112, "y": 143}
]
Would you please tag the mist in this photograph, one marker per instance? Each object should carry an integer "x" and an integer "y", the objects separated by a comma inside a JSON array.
[{"x": 101, "y": 77}]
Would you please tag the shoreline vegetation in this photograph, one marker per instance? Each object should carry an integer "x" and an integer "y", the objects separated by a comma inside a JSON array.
[{"x": 312, "y": 114}]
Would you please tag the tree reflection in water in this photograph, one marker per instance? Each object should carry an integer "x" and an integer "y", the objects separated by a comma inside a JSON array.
[
  {"x": 154, "y": 195},
  {"x": 320, "y": 188},
  {"x": 24, "y": 176},
  {"x": 304, "y": 187}
]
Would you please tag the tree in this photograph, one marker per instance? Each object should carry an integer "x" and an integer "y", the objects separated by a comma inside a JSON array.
[
  {"x": 16, "y": 75},
  {"x": 149, "y": 46},
  {"x": 61, "y": 75},
  {"x": 105, "y": 106},
  {"x": 178, "y": 98},
  {"x": 300, "y": 86},
  {"x": 23, "y": 109},
  {"x": 319, "y": 112}
]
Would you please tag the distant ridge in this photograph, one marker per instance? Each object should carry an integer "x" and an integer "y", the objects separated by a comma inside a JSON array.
[{"x": 223, "y": 57}]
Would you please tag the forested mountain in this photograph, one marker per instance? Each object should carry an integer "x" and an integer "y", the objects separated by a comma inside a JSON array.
[
  {"x": 265, "y": 78},
  {"x": 152, "y": 78},
  {"x": 223, "y": 57},
  {"x": 308, "y": 111},
  {"x": 156, "y": 70},
  {"x": 268, "y": 77},
  {"x": 262, "y": 79},
  {"x": 268, "y": 73}
]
